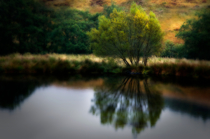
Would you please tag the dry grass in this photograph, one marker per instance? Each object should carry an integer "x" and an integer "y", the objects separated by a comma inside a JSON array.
[
  {"x": 171, "y": 21},
  {"x": 159, "y": 60},
  {"x": 56, "y": 63},
  {"x": 60, "y": 63},
  {"x": 81, "y": 58}
]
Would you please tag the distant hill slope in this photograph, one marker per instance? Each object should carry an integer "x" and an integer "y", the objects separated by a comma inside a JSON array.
[{"x": 171, "y": 13}]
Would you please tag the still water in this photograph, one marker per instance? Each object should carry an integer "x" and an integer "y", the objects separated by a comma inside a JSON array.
[{"x": 103, "y": 108}]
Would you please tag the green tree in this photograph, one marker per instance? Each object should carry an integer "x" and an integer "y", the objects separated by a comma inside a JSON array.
[
  {"x": 69, "y": 34},
  {"x": 24, "y": 26},
  {"x": 30, "y": 26},
  {"x": 196, "y": 34},
  {"x": 127, "y": 35}
]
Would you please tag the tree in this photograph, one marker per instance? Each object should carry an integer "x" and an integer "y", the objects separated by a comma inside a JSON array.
[
  {"x": 30, "y": 26},
  {"x": 127, "y": 35},
  {"x": 69, "y": 34},
  {"x": 24, "y": 26},
  {"x": 196, "y": 34}
]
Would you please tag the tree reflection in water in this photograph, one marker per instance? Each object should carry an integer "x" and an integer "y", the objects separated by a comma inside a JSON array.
[
  {"x": 14, "y": 92},
  {"x": 127, "y": 101}
]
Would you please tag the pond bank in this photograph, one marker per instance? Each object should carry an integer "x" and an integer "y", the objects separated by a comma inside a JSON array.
[{"x": 89, "y": 64}]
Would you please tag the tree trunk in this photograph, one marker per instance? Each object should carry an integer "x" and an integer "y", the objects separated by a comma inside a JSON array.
[
  {"x": 126, "y": 62},
  {"x": 145, "y": 61}
]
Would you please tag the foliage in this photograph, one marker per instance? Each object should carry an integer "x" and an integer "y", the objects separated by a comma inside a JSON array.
[
  {"x": 30, "y": 26},
  {"x": 69, "y": 34},
  {"x": 173, "y": 50},
  {"x": 109, "y": 9},
  {"x": 24, "y": 26},
  {"x": 131, "y": 35},
  {"x": 196, "y": 34}
]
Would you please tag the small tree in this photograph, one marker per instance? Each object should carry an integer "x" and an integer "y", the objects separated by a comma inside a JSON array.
[{"x": 127, "y": 35}]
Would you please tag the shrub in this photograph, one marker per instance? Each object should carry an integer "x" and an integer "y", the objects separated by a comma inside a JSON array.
[{"x": 173, "y": 50}]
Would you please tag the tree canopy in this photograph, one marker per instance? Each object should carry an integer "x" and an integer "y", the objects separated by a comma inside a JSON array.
[
  {"x": 24, "y": 26},
  {"x": 69, "y": 34},
  {"x": 127, "y": 35},
  {"x": 196, "y": 34},
  {"x": 30, "y": 26}
]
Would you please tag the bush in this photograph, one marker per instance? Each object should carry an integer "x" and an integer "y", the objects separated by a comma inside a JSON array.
[{"x": 173, "y": 50}]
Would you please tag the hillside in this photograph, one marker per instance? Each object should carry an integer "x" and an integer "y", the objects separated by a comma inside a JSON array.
[{"x": 171, "y": 13}]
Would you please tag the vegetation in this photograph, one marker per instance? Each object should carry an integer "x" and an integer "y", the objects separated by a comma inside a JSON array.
[
  {"x": 57, "y": 64},
  {"x": 24, "y": 25},
  {"x": 131, "y": 35},
  {"x": 196, "y": 34},
  {"x": 173, "y": 50},
  {"x": 69, "y": 32},
  {"x": 109, "y": 9},
  {"x": 33, "y": 27},
  {"x": 90, "y": 64}
]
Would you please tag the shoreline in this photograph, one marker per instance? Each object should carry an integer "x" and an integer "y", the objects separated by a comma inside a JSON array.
[{"x": 92, "y": 65}]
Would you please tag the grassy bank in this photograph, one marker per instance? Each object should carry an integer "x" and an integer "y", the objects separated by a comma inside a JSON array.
[
  {"x": 90, "y": 64},
  {"x": 59, "y": 64}
]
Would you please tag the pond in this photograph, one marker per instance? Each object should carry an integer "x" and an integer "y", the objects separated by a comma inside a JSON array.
[{"x": 125, "y": 107}]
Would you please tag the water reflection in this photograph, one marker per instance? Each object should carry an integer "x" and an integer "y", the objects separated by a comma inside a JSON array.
[
  {"x": 190, "y": 108},
  {"x": 61, "y": 108},
  {"x": 14, "y": 92},
  {"x": 15, "y": 89},
  {"x": 186, "y": 96},
  {"x": 127, "y": 101}
]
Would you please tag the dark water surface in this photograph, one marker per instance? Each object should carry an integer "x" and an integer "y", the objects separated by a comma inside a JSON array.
[{"x": 103, "y": 108}]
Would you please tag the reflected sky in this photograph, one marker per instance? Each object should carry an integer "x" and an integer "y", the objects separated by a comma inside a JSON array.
[{"x": 56, "y": 112}]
